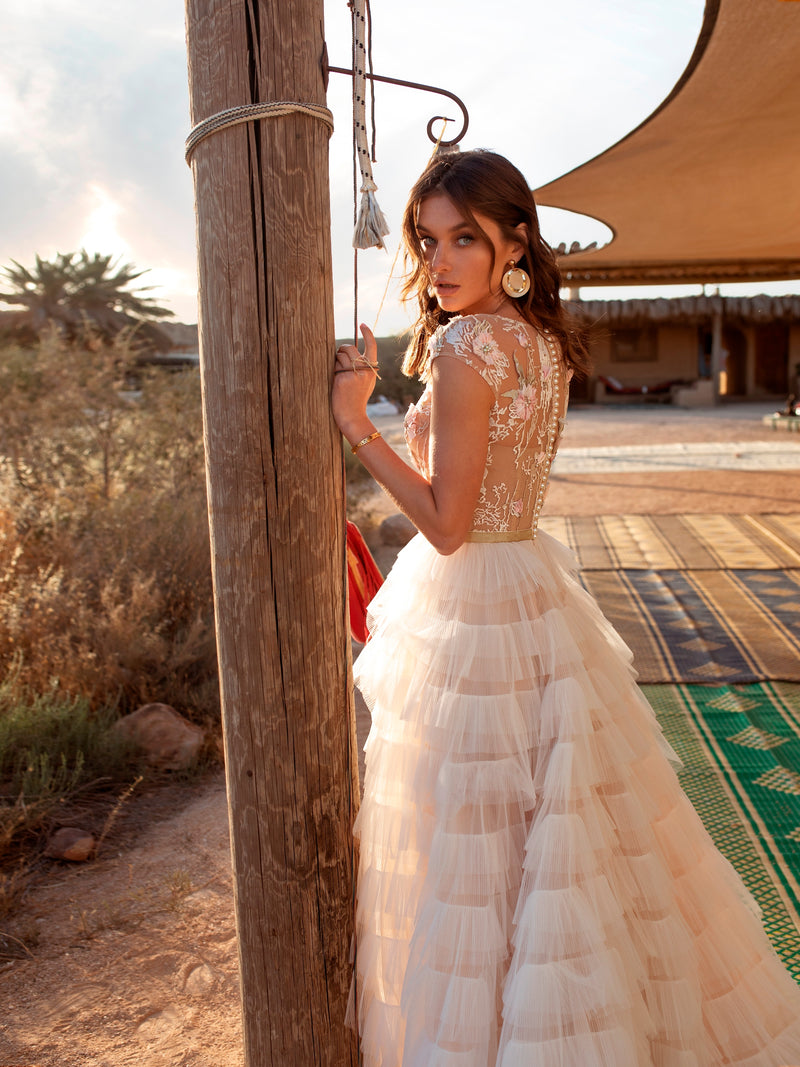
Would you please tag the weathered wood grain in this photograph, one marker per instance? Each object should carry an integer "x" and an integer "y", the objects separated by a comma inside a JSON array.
[{"x": 275, "y": 490}]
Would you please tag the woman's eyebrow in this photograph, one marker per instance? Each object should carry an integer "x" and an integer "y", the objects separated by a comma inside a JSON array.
[{"x": 452, "y": 229}]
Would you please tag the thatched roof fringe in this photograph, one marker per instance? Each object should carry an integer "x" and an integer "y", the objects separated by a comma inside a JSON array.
[{"x": 689, "y": 310}]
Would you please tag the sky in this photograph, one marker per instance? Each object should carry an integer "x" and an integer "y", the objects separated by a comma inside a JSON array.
[{"x": 94, "y": 112}]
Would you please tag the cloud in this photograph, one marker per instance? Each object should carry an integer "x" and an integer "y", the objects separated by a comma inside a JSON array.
[{"x": 94, "y": 96}]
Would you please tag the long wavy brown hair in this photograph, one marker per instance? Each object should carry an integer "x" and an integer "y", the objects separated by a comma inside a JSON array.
[{"x": 484, "y": 183}]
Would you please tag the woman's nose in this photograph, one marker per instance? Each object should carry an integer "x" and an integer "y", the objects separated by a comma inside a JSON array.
[{"x": 439, "y": 260}]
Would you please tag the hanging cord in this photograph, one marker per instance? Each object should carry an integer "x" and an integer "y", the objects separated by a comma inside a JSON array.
[
  {"x": 371, "y": 226},
  {"x": 232, "y": 116},
  {"x": 397, "y": 252},
  {"x": 353, "y": 37},
  {"x": 372, "y": 156}
]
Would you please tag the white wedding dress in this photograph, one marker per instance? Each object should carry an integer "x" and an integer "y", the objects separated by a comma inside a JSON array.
[{"x": 534, "y": 887}]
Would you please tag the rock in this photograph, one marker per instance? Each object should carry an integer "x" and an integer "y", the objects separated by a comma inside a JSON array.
[
  {"x": 200, "y": 981},
  {"x": 70, "y": 843},
  {"x": 170, "y": 741},
  {"x": 396, "y": 530},
  {"x": 384, "y": 556}
]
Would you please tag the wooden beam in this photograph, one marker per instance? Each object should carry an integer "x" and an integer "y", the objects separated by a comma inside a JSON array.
[
  {"x": 275, "y": 491},
  {"x": 596, "y": 269}
]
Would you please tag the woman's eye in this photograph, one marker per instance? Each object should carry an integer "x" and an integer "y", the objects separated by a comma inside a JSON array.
[
  {"x": 427, "y": 242},
  {"x": 465, "y": 239}
]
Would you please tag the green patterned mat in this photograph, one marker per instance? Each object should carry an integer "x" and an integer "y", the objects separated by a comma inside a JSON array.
[{"x": 740, "y": 746}]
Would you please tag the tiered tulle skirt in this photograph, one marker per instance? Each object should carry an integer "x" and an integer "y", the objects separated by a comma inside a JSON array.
[{"x": 534, "y": 887}]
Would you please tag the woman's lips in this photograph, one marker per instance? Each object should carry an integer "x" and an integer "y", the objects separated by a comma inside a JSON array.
[{"x": 445, "y": 288}]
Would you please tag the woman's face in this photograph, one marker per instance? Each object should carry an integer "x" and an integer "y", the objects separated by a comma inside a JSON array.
[{"x": 459, "y": 261}]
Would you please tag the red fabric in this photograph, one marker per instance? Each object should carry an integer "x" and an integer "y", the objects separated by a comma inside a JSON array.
[{"x": 363, "y": 581}]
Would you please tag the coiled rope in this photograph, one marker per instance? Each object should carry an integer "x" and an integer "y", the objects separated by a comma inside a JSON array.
[{"x": 232, "y": 116}]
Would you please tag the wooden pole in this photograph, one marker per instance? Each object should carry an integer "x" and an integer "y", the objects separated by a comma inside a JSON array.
[
  {"x": 717, "y": 367},
  {"x": 274, "y": 474}
]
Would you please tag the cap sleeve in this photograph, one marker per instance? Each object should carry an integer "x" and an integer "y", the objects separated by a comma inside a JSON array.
[{"x": 471, "y": 340}]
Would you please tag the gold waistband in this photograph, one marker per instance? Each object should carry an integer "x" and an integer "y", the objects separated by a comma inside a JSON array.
[{"x": 501, "y": 535}]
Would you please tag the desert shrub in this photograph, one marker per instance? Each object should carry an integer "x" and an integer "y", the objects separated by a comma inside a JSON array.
[
  {"x": 393, "y": 384},
  {"x": 54, "y": 750},
  {"x": 105, "y": 583},
  {"x": 52, "y": 747}
]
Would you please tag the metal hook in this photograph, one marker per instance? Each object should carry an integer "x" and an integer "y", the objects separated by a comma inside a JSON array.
[
  {"x": 412, "y": 85},
  {"x": 445, "y": 120}
]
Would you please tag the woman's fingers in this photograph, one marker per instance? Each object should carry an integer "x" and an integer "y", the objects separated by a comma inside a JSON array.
[
  {"x": 348, "y": 357},
  {"x": 354, "y": 381},
  {"x": 370, "y": 344}
]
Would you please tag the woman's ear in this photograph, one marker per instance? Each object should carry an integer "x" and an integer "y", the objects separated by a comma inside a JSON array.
[{"x": 522, "y": 233}]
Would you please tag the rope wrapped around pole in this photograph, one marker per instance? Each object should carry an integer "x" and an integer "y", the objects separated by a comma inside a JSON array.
[
  {"x": 371, "y": 226},
  {"x": 232, "y": 116}
]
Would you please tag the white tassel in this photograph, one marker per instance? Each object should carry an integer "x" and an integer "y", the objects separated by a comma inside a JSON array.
[{"x": 371, "y": 226}]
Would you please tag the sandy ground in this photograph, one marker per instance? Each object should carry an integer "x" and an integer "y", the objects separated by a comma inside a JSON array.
[
  {"x": 675, "y": 492},
  {"x": 131, "y": 960}
]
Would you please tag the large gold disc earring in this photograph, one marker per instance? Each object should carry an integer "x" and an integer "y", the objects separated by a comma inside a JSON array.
[{"x": 516, "y": 282}]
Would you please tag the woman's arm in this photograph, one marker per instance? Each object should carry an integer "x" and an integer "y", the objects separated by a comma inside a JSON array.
[{"x": 441, "y": 508}]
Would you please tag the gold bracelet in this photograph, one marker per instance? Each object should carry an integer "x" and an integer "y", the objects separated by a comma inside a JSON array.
[{"x": 365, "y": 441}]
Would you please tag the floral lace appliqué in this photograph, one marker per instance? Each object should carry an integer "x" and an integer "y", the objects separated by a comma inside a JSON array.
[
  {"x": 523, "y": 404},
  {"x": 517, "y": 362},
  {"x": 472, "y": 341}
]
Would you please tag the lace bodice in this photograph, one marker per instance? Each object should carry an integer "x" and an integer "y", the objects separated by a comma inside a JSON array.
[{"x": 524, "y": 369}]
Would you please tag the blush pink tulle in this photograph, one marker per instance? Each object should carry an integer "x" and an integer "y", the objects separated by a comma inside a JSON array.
[{"x": 535, "y": 890}]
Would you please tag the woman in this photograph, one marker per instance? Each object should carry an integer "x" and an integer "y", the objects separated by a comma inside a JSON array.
[{"x": 534, "y": 887}]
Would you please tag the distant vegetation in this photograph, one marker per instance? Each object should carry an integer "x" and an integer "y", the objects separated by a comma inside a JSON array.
[
  {"x": 76, "y": 292},
  {"x": 105, "y": 578},
  {"x": 105, "y": 585}
]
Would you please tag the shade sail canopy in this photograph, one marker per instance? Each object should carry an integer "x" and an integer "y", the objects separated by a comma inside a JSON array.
[{"x": 707, "y": 188}]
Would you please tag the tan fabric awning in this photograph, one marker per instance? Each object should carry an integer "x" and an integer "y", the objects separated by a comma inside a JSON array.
[{"x": 707, "y": 188}]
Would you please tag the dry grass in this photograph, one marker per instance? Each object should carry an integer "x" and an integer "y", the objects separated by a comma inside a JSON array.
[
  {"x": 52, "y": 748},
  {"x": 105, "y": 584},
  {"x": 105, "y": 578}
]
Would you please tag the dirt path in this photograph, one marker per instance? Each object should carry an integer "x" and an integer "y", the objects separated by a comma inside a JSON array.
[
  {"x": 133, "y": 961},
  {"x": 135, "y": 964}
]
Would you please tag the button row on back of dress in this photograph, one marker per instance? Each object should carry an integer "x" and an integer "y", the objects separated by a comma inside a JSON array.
[{"x": 552, "y": 429}]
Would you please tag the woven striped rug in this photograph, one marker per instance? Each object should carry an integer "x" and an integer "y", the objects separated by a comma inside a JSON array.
[
  {"x": 705, "y": 626},
  {"x": 680, "y": 542},
  {"x": 698, "y": 598},
  {"x": 740, "y": 746}
]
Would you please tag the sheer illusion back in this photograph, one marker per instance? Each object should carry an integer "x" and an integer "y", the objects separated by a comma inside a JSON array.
[{"x": 524, "y": 370}]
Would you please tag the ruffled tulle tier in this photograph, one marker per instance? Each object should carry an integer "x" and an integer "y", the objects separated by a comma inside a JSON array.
[{"x": 534, "y": 886}]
